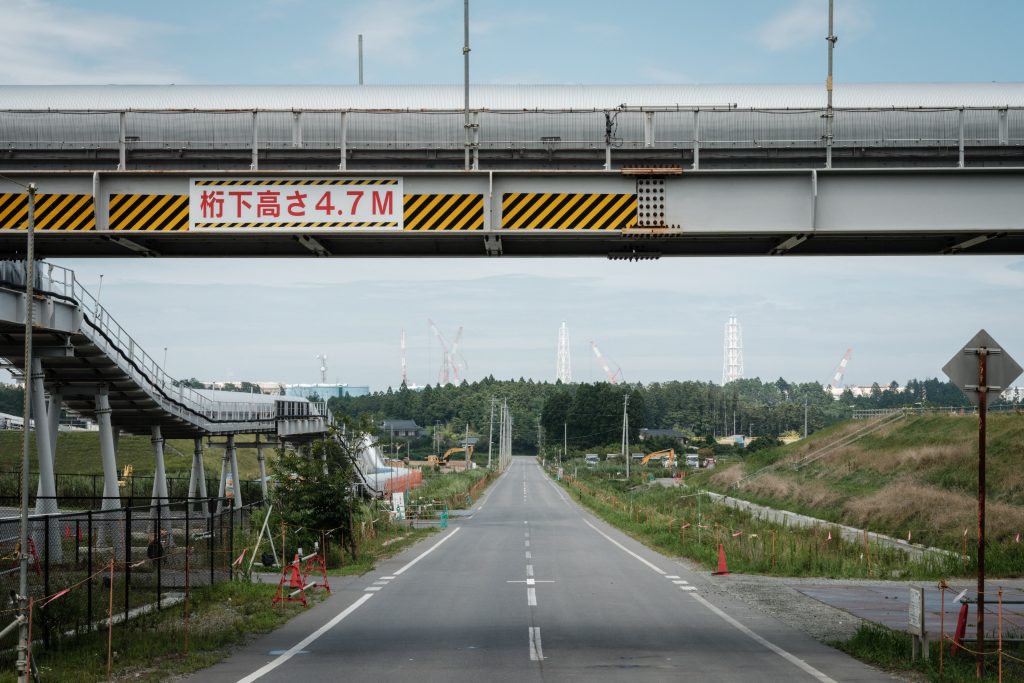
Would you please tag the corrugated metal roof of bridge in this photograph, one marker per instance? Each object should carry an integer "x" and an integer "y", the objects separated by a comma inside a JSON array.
[{"x": 505, "y": 97}]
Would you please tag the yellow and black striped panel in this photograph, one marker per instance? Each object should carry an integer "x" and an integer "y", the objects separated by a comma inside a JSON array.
[
  {"x": 299, "y": 224},
  {"x": 567, "y": 211},
  {"x": 281, "y": 181},
  {"x": 444, "y": 212},
  {"x": 66, "y": 212},
  {"x": 149, "y": 212}
]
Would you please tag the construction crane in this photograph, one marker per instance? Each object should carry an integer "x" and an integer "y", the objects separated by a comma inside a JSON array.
[
  {"x": 456, "y": 362},
  {"x": 838, "y": 376},
  {"x": 452, "y": 363},
  {"x": 405, "y": 375},
  {"x": 613, "y": 377}
]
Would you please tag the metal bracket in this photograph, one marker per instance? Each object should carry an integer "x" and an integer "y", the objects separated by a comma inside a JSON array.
[
  {"x": 650, "y": 202},
  {"x": 313, "y": 245},
  {"x": 492, "y": 245},
  {"x": 131, "y": 246}
]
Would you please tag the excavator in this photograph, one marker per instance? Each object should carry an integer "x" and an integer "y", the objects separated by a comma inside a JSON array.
[
  {"x": 443, "y": 460},
  {"x": 668, "y": 457}
]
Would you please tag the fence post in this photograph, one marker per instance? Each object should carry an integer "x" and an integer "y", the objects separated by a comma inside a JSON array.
[
  {"x": 209, "y": 543},
  {"x": 160, "y": 554},
  {"x": 88, "y": 554},
  {"x": 127, "y": 559}
]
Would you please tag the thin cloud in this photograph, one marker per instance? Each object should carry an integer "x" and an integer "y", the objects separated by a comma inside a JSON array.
[
  {"x": 41, "y": 43},
  {"x": 804, "y": 23}
]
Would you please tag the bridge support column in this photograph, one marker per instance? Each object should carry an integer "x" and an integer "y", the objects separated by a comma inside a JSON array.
[
  {"x": 158, "y": 504},
  {"x": 46, "y": 501},
  {"x": 197, "y": 482},
  {"x": 233, "y": 454},
  {"x": 263, "y": 468},
  {"x": 53, "y": 422},
  {"x": 222, "y": 488},
  {"x": 111, "y": 491}
]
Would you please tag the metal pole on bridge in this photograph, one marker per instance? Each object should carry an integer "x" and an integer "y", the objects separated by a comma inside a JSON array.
[{"x": 465, "y": 59}]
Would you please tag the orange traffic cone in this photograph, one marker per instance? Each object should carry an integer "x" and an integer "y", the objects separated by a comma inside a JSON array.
[{"x": 722, "y": 568}]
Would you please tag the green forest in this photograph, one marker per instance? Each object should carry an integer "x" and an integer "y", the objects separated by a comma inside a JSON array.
[{"x": 589, "y": 416}]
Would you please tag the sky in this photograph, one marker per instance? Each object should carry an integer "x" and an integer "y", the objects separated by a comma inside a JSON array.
[{"x": 268, "y": 319}]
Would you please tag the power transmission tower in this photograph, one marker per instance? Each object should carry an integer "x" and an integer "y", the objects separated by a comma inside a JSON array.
[
  {"x": 563, "y": 370},
  {"x": 732, "y": 361}
]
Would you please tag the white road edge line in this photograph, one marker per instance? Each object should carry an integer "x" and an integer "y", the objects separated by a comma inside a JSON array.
[
  {"x": 426, "y": 552},
  {"x": 536, "y": 652},
  {"x": 792, "y": 659},
  {"x": 302, "y": 644},
  {"x": 623, "y": 548}
]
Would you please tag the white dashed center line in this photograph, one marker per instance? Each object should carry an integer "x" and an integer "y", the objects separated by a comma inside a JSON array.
[{"x": 536, "y": 652}]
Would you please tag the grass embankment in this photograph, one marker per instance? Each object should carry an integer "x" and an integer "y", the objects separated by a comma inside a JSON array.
[
  {"x": 681, "y": 522},
  {"x": 453, "y": 490},
  {"x": 916, "y": 477},
  {"x": 79, "y": 453}
]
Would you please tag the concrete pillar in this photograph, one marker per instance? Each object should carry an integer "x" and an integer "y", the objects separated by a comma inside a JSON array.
[
  {"x": 234, "y": 471},
  {"x": 221, "y": 490},
  {"x": 108, "y": 455},
  {"x": 158, "y": 504},
  {"x": 197, "y": 480},
  {"x": 263, "y": 468},
  {"x": 46, "y": 502},
  {"x": 53, "y": 422}
]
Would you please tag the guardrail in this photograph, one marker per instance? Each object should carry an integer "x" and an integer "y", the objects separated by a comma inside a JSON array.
[{"x": 623, "y": 127}]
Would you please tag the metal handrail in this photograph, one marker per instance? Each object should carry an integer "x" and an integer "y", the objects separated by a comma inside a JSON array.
[{"x": 114, "y": 340}]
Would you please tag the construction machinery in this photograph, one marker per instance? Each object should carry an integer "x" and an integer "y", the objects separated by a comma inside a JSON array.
[
  {"x": 668, "y": 457},
  {"x": 443, "y": 460}
]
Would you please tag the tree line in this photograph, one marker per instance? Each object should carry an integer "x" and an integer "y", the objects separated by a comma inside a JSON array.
[{"x": 590, "y": 415}]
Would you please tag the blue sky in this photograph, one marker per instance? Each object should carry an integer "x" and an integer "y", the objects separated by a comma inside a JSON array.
[{"x": 268, "y": 319}]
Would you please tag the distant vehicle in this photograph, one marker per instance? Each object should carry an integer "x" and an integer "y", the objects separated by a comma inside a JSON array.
[
  {"x": 611, "y": 456},
  {"x": 443, "y": 460},
  {"x": 592, "y": 459},
  {"x": 638, "y": 456},
  {"x": 692, "y": 460}
]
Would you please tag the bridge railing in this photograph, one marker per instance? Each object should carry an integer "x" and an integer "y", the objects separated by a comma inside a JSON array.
[
  {"x": 176, "y": 398},
  {"x": 633, "y": 127}
]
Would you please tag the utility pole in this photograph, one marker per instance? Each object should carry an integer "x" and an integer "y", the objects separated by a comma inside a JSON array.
[
  {"x": 805, "y": 418},
  {"x": 625, "y": 432},
  {"x": 540, "y": 436},
  {"x": 490, "y": 434},
  {"x": 24, "y": 675},
  {"x": 830, "y": 113},
  {"x": 565, "y": 438}
]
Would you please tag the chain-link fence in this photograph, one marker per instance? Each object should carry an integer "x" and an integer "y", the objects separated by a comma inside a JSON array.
[{"x": 91, "y": 566}]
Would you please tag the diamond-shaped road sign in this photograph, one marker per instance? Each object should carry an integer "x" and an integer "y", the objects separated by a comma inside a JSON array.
[{"x": 1000, "y": 369}]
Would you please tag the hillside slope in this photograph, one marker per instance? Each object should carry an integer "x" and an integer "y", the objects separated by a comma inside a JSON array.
[{"x": 917, "y": 476}]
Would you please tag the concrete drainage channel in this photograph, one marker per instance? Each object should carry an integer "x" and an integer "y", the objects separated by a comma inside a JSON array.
[{"x": 848, "y": 533}]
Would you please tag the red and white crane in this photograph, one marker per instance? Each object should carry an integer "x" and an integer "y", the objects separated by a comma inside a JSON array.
[
  {"x": 613, "y": 377},
  {"x": 452, "y": 363},
  {"x": 838, "y": 376},
  {"x": 405, "y": 374}
]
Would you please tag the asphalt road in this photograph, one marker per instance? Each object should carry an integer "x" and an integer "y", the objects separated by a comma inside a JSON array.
[{"x": 531, "y": 587}]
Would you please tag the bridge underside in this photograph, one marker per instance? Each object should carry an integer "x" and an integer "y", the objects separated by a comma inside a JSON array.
[{"x": 630, "y": 213}]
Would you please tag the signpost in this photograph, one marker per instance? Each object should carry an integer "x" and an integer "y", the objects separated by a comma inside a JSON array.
[
  {"x": 980, "y": 367},
  {"x": 920, "y": 646}
]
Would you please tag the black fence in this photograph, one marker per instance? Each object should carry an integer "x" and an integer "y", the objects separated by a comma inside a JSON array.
[{"x": 140, "y": 558}]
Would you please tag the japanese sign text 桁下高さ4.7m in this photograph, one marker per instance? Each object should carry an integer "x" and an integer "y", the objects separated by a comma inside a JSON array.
[{"x": 295, "y": 204}]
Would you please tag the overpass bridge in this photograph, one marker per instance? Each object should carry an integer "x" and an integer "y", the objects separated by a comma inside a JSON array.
[
  {"x": 630, "y": 172},
  {"x": 85, "y": 361}
]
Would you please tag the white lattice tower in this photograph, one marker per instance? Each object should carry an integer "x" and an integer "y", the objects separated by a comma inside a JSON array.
[
  {"x": 563, "y": 370},
  {"x": 732, "y": 357},
  {"x": 405, "y": 374}
]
